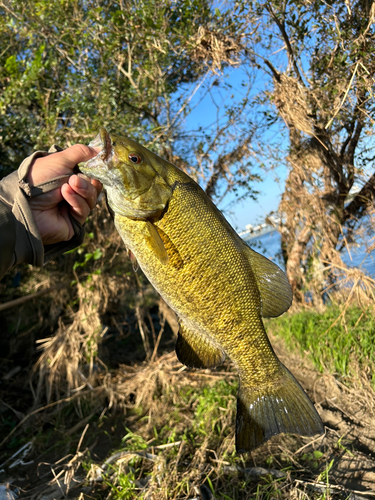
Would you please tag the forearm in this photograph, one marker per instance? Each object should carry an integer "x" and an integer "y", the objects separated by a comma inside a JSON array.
[
  {"x": 20, "y": 240},
  {"x": 19, "y": 236}
]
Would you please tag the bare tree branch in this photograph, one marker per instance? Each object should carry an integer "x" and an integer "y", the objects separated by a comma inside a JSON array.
[
  {"x": 362, "y": 200},
  {"x": 281, "y": 26}
]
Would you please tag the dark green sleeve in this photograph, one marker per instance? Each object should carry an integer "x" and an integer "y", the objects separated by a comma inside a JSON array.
[{"x": 7, "y": 238}]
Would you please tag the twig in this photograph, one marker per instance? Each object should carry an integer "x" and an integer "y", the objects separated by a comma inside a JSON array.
[
  {"x": 22, "y": 300},
  {"x": 26, "y": 298},
  {"x": 344, "y": 98},
  {"x": 38, "y": 410},
  {"x": 122, "y": 454},
  {"x": 168, "y": 445},
  {"x": 82, "y": 436},
  {"x": 324, "y": 487},
  {"x": 310, "y": 442},
  {"x": 254, "y": 472},
  {"x": 141, "y": 325},
  {"x": 18, "y": 414},
  {"x": 162, "y": 324}
]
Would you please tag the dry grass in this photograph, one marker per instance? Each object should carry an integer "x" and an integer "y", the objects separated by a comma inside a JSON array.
[
  {"x": 292, "y": 104},
  {"x": 67, "y": 361},
  {"x": 176, "y": 439},
  {"x": 178, "y": 443},
  {"x": 351, "y": 286},
  {"x": 215, "y": 49}
]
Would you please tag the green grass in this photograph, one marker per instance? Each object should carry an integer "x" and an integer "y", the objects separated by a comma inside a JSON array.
[{"x": 339, "y": 344}]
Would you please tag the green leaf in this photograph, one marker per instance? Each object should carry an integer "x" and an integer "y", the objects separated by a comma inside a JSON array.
[
  {"x": 97, "y": 254},
  {"x": 11, "y": 65}
]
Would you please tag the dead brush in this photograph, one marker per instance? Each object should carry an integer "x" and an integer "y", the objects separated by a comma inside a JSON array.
[
  {"x": 135, "y": 386},
  {"x": 292, "y": 104},
  {"x": 351, "y": 286},
  {"x": 165, "y": 394},
  {"x": 68, "y": 358},
  {"x": 215, "y": 49}
]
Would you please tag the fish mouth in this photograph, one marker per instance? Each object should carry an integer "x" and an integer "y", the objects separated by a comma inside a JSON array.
[
  {"x": 103, "y": 140},
  {"x": 100, "y": 165}
]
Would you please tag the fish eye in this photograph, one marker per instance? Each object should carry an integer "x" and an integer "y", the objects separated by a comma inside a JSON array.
[{"x": 135, "y": 158}]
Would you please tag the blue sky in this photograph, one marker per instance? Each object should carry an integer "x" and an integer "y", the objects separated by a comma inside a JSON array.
[
  {"x": 248, "y": 211},
  {"x": 252, "y": 212}
]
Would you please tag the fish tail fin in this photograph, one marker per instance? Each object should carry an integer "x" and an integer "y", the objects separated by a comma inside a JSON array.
[{"x": 280, "y": 405}]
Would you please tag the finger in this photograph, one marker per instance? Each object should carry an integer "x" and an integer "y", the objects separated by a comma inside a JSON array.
[
  {"x": 62, "y": 163},
  {"x": 79, "y": 153},
  {"x": 79, "y": 208},
  {"x": 97, "y": 185},
  {"x": 84, "y": 188}
]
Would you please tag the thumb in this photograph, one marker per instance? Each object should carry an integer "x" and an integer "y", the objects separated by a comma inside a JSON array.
[
  {"x": 62, "y": 163},
  {"x": 76, "y": 154}
]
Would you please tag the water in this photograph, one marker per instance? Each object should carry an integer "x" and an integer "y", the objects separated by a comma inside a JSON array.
[{"x": 270, "y": 246}]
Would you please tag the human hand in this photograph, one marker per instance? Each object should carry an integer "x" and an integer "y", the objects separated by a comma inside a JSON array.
[{"x": 77, "y": 197}]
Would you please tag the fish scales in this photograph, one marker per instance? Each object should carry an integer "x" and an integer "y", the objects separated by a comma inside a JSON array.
[
  {"x": 218, "y": 279},
  {"x": 218, "y": 286}
]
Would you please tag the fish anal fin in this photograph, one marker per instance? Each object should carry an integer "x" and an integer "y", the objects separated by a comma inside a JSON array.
[
  {"x": 196, "y": 350},
  {"x": 280, "y": 406},
  {"x": 274, "y": 288}
]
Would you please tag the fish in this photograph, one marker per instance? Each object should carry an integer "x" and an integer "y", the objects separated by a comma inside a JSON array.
[{"x": 219, "y": 287}]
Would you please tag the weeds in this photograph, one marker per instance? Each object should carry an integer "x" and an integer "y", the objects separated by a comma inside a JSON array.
[
  {"x": 340, "y": 347},
  {"x": 115, "y": 415}
]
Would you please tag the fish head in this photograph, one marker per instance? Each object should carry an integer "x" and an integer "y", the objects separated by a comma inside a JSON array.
[{"x": 134, "y": 178}]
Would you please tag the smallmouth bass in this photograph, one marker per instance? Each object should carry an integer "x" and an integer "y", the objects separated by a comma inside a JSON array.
[{"x": 218, "y": 286}]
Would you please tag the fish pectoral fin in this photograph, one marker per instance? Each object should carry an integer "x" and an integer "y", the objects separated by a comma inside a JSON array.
[
  {"x": 154, "y": 242},
  {"x": 274, "y": 288},
  {"x": 196, "y": 350},
  {"x": 174, "y": 256},
  {"x": 279, "y": 405}
]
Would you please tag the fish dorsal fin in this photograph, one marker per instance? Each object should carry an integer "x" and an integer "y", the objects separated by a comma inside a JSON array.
[
  {"x": 155, "y": 242},
  {"x": 274, "y": 288},
  {"x": 196, "y": 350}
]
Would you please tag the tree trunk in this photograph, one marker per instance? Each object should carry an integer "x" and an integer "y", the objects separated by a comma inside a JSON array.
[{"x": 294, "y": 270}]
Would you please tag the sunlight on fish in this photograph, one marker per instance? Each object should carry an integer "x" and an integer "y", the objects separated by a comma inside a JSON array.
[{"x": 218, "y": 286}]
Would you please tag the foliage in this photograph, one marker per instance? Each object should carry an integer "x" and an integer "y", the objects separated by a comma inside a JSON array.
[
  {"x": 69, "y": 67},
  {"x": 140, "y": 68}
]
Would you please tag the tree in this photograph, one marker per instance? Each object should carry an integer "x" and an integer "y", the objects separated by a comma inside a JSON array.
[
  {"x": 319, "y": 56},
  {"x": 69, "y": 67}
]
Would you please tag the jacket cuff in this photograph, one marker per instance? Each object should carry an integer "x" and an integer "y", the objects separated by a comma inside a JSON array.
[
  {"x": 28, "y": 246},
  {"x": 15, "y": 193}
]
